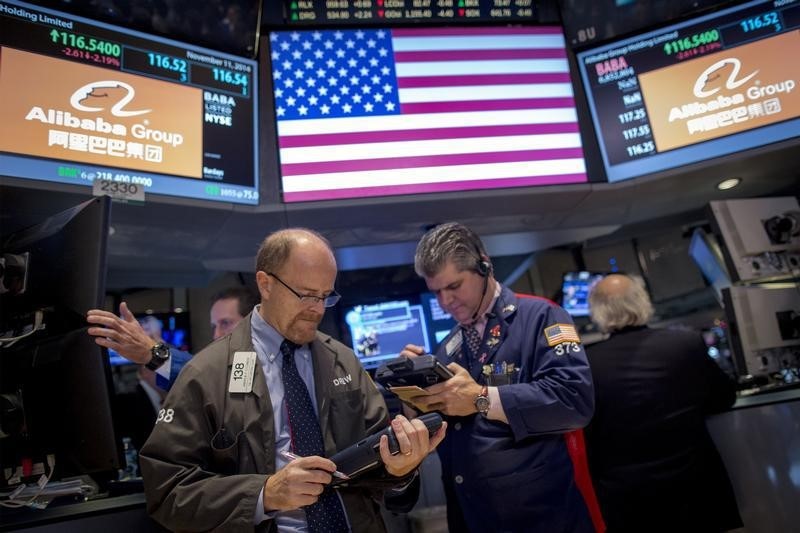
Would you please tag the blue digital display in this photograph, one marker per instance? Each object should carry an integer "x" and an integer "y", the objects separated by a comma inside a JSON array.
[
  {"x": 440, "y": 322},
  {"x": 380, "y": 331},
  {"x": 576, "y": 288}
]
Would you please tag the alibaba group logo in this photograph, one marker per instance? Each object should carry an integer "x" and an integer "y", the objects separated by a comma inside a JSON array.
[
  {"x": 97, "y": 95},
  {"x": 709, "y": 82}
]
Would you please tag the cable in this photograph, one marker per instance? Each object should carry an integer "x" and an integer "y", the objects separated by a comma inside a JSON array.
[
  {"x": 14, "y": 504},
  {"x": 483, "y": 295},
  {"x": 37, "y": 325}
]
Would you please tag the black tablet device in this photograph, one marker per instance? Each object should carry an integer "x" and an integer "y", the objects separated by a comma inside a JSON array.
[
  {"x": 422, "y": 371},
  {"x": 365, "y": 454}
]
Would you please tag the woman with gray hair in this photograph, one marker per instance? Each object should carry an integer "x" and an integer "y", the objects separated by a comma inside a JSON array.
[{"x": 653, "y": 463}]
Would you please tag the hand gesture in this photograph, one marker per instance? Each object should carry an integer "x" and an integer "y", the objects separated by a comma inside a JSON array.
[{"x": 123, "y": 334}]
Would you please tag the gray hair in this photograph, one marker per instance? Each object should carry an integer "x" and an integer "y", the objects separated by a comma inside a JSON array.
[
  {"x": 448, "y": 242},
  {"x": 275, "y": 250},
  {"x": 620, "y": 306}
]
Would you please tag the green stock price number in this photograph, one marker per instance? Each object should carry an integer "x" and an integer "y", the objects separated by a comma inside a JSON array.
[
  {"x": 88, "y": 44},
  {"x": 691, "y": 42}
]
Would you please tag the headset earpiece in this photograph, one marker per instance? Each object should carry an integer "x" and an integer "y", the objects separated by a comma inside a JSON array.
[{"x": 483, "y": 268}]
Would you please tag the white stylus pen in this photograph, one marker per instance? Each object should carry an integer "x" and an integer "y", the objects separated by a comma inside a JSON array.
[{"x": 289, "y": 456}]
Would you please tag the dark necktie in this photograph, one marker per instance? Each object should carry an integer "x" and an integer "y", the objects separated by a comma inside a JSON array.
[
  {"x": 473, "y": 342},
  {"x": 327, "y": 513}
]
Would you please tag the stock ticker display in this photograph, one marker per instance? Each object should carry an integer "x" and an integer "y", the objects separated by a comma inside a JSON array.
[
  {"x": 84, "y": 100},
  {"x": 703, "y": 88},
  {"x": 399, "y": 11}
]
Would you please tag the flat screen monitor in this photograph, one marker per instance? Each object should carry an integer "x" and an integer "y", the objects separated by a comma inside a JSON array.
[
  {"x": 227, "y": 25},
  {"x": 86, "y": 101},
  {"x": 440, "y": 322},
  {"x": 575, "y": 291},
  {"x": 390, "y": 111},
  {"x": 616, "y": 257},
  {"x": 667, "y": 266},
  {"x": 588, "y": 22},
  {"x": 764, "y": 325},
  {"x": 705, "y": 252},
  {"x": 760, "y": 237},
  {"x": 55, "y": 381},
  {"x": 707, "y": 87},
  {"x": 394, "y": 12},
  {"x": 380, "y": 331}
]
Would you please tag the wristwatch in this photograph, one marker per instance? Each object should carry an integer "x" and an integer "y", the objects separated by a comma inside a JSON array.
[
  {"x": 160, "y": 355},
  {"x": 482, "y": 403}
]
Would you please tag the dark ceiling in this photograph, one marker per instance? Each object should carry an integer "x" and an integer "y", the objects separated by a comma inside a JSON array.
[{"x": 174, "y": 243}]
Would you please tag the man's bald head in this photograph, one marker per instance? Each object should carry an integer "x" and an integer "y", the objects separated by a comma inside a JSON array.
[
  {"x": 619, "y": 301},
  {"x": 277, "y": 247}
]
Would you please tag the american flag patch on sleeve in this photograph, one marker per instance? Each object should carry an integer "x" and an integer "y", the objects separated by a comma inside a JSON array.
[{"x": 558, "y": 333}]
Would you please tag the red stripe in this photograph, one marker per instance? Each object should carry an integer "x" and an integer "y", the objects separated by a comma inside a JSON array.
[
  {"x": 328, "y": 139},
  {"x": 478, "y": 55},
  {"x": 485, "y": 79},
  {"x": 364, "y": 192},
  {"x": 487, "y": 105},
  {"x": 548, "y": 300},
  {"x": 576, "y": 446},
  {"x": 471, "y": 31},
  {"x": 360, "y": 165}
]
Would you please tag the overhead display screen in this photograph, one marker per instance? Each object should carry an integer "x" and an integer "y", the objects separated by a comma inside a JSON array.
[
  {"x": 704, "y": 88},
  {"x": 380, "y": 331},
  {"x": 399, "y": 11},
  {"x": 374, "y": 112},
  {"x": 84, "y": 101}
]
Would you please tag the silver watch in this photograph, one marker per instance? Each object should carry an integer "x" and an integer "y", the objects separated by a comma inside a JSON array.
[
  {"x": 482, "y": 403},
  {"x": 160, "y": 354}
]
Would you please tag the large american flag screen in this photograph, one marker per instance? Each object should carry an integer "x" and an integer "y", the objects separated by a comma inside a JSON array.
[{"x": 375, "y": 112}]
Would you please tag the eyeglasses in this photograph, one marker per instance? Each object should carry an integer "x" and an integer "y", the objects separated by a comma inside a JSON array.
[{"x": 310, "y": 299}]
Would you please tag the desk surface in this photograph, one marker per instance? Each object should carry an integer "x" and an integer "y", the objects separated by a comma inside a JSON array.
[
  {"x": 22, "y": 518},
  {"x": 767, "y": 397}
]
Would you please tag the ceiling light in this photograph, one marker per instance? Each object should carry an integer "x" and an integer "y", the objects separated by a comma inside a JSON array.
[{"x": 730, "y": 183}]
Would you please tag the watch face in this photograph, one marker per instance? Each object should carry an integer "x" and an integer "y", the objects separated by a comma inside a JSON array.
[
  {"x": 482, "y": 404},
  {"x": 161, "y": 351}
]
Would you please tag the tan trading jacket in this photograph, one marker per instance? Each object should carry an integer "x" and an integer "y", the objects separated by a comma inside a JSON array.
[{"x": 193, "y": 486}]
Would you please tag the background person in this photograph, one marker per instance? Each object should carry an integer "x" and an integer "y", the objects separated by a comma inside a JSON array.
[
  {"x": 276, "y": 384},
  {"x": 654, "y": 465},
  {"x": 127, "y": 336}
]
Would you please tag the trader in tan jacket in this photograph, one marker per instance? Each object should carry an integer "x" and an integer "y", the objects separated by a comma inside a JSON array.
[{"x": 214, "y": 460}]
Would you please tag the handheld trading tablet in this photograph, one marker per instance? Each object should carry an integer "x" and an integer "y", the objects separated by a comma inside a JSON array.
[
  {"x": 365, "y": 454},
  {"x": 422, "y": 371}
]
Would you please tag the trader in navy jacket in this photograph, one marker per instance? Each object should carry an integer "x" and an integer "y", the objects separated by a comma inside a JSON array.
[{"x": 519, "y": 385}]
